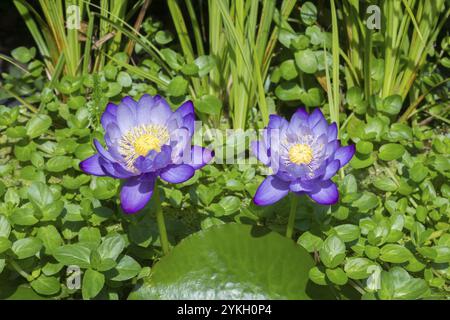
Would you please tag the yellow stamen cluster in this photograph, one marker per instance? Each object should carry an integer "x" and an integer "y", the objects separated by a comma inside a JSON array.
[
  {"x": 140, "y": 140},
  {"x": 300, "y": 154},
  {"x": 145, "y": 143}
]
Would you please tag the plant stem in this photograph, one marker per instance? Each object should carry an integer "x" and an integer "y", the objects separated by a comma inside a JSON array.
[
  {"x": 160, "y": 220},
  {"x": 293, "y": 211},
  {"x": 20, "y": 271},
  {"x": 357, "y": 287}
]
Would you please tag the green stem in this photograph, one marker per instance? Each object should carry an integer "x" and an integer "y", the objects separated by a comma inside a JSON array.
[
  {"x": 160, "y": 220},
  {"x": 20, "y": 271},
  {"x": 357, "y": 287},
  {"x": 291, "y": 221}
]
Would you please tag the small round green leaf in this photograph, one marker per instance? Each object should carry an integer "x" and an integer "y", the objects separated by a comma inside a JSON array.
[
  {"x": 391, "y": 151},
  {"x": 337, "y": 276},
  {"x": 317, "y": 276},
  {"x": 59, "y": 163},
  {"x": 395, "y": 253},
  {"x": 27, "y": 247},
  {"x": 306, "y": 61},
  {"x": 209, "y": 104},
  {"x": 347, "y": 232},
  {"x": 38, "y": 125},
  {"x": 23, "y": 54},
  {"x": 332, "y": 252},
  {"x": 46, "y": 285},
  {"x": 288, "y": 70},
  {"x": 289, "y": 91},
  {"x": 392, "y": 105},
  {"x": 177, "y": 87},
  {"x": 127, "y": 268},
  {"x": 111, "y": 247},
  {"x": 308, "y": 13},
  {"x": 205, "y": 64},
  {"x": 359, "y": 268},
  {"x": 73, "y": 254},
  {"x": 124, "y": 79},
  {"x": 364, "y": 147},
  {"x": 230, "y": 204},
  {"x": 310, "y": 241},
  {"x": 93, "y": 282},
  {"x": 5, "y": 227},
  {"x": 163, "y": 37},
  {"x": 385, "y": 184}
]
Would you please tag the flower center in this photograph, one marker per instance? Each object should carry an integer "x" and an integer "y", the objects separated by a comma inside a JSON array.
[
  {"x": 140, "y": 140},
  {"x": 300, "y": 154},
  {"x": 145, "y": 143}
]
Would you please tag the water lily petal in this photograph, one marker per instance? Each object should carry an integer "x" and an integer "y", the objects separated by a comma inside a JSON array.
[
  {"x": 113, "y": 134},
  {"x": 126, "y": 117},
  {"x": 320, "y": 147},
  {"x": 103, "y": 152},
  {"x": 259, "y": 150},
  {"x": 331, "y": 148},
  {"x": 145, "y": 104},
  {"x": 112, "y": 140},
  {"x": 344, "y": 154},
  {"x": 130, "y": 103},
  {"x": 144, "y": 164},
  {"x": 111, "y": 108},
  {"x": 320, "y": 128},
  {"x": 92, "y": 166},
  {"x": 136, "y": 192},
  {"x": 326, "y": 194},
  {"x": 271, "y": 190},
  {"x": 185, "y": 109},
  {"x": 298, "y": 171},
  {"x": 180, "y": 141},
  {"x": 285, "y": 176},
  {"x": 160, "y": 112},
  {"x": 299, "y": 118},
  {"x": 188, "y": 122},
  {"x": 315, "y": 117},
  {"x": 331, "y": 169},
  {"x": 199, "y": 157},
  {"x": 177, "y": 173},
  {"x": 163, "y": 158},
  {"x": 109, "y": 116},
  {"x": 302, "y": 186},
  {"x": 183, "y": 117},
  {"x": 332, "y": 132},
  {"x": 277, "y": 122},
  {"x": 115, "y": 170},
  {"x": 115, "y": 153}
]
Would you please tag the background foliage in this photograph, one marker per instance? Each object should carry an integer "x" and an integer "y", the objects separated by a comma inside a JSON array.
[{"x": 388, "y": 238}]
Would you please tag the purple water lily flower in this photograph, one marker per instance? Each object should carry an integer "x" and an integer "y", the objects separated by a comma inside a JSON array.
[
  {"x": 146, "y": 140},
  {"x": 304, "y": 155}
]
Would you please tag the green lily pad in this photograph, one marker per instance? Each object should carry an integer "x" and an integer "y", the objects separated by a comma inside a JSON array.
[{"x": 232, "y": 261}]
